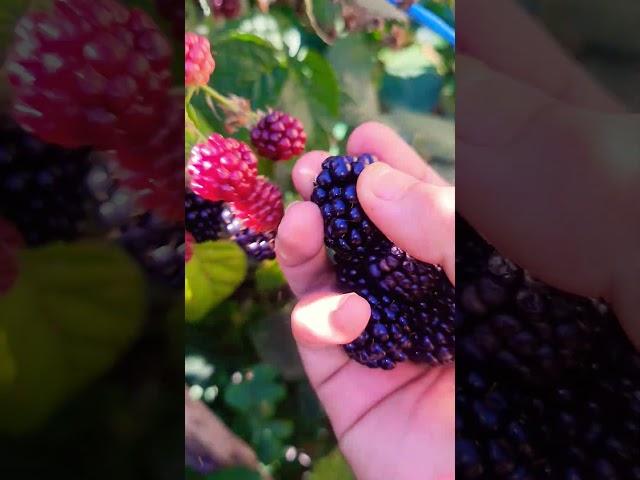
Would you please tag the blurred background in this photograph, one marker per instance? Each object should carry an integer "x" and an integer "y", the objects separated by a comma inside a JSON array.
[{"x": 333, "y": 65}]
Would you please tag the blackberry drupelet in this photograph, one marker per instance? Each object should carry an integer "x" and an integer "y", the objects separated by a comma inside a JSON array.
[
  {"x": 158, "y": 246},
  {"x": 412, "y": 303},
  {"x": 42, "y": 187},
  {"x": 203, "y": 218}
]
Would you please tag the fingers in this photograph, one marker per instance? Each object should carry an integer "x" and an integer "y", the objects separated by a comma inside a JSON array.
[
  {"x": 518, "y": 151},
  {"x": 417, "y": 216},
  {"x": 514, "y": 44},
  {"x": 383, "y": 142},
  {"x": 306, "y": 170},
  {"x": 300, "y": 249},
  {"x": 328, "y": 319}
]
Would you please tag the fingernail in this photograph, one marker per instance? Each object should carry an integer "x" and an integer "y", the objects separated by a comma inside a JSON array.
[{"x": 386, "y": 183}]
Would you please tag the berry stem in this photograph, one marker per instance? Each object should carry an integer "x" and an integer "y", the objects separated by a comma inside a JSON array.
[
  {"x": 217, "y": 96},
  {"x": 190, "y": 92}
]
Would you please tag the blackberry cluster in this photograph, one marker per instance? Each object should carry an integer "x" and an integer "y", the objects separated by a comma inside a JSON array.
[
  {"x": 203, "y": 218},
  {"x": 548, "y": 385},
  {"x": 158, "y": 246},
  {"x": 42, "y": 187},
  {"x": 412, "y": 303}
]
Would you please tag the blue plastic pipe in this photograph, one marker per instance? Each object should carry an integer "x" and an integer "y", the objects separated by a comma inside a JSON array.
[{"x": 430, "y": 20}]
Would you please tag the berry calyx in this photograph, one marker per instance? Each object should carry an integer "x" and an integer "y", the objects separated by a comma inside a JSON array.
[
  {"x": 263, "y": 209},
  {"x": 279, "y": 136},
  {"x": 198, "y": 60},
  {"x": 222, "y": 169}
]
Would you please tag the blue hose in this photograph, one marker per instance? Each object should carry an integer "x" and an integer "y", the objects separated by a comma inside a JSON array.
[{"x": 430, "y": 20}]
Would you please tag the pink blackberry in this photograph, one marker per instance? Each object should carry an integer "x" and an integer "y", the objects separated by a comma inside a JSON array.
[
  {"x": 279, "y": 136},
  {"x": 223, "y": 169},
  {"x": 198, "y": 60},
  {"x": 226, "y": 8},
  {"x": 263, "y": 209},
  {"x": 88, "y": 73}
]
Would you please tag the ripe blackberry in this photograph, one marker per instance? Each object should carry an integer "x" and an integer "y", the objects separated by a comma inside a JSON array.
[
  {"x": 198, "y": 60},
  {"x": 158, "y": 246},
  {"x": 412, "y": 303},
  {"x": 222, "y": 169},
  {"x": 529, "y": 329},
  {"x": 397, "y": 273},
  {"x": 203, "y": 218},
  {"x": 228, "y": 9},
  {"x": 262, "y": 210},
  {"x": 348, "y": 230},
  {"x": 259, "y": 246},
  {"x": 88, "y": 73},
  {"x": 548, "y": 385},
  {"x": 279, "y": 136},
  {"x": 42, "y": 187}
]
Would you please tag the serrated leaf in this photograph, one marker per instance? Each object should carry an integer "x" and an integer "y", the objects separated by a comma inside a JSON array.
[
  {"x": 258, "y": 391},
  {"x": 249, "y": 67},
  {"x": 67, "y": 319},
  {"x": 214, "y": 272},
  {"x": 332, "y": 467}
]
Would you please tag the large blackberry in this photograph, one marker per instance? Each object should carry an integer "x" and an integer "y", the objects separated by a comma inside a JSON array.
[
  {"x": 203, "y": 217},
  {"x": 158, "y": 247},
  {"x": 42, "y": 187},
  {"x": 507, "y": 318},
  {"x": 548, "y": 385},
  {"x": 412, "y": 303}
]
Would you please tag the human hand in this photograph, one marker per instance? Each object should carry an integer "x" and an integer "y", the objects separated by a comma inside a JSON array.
[
  {"x": 395, "y": 424},
  {"x": 539, "y": 143}
]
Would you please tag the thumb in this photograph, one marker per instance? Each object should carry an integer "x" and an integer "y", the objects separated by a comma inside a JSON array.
[{"x": 416, "y": 216}]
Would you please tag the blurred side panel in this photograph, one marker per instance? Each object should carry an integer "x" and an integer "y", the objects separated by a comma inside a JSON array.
[{"x": 91, "y": 239}]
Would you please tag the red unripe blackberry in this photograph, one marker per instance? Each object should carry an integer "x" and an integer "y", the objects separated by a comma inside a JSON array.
[
  {"x": 198, "y": 60},
  {"x": 263, "y": 209},
  {"x": 88, "y": 73},
  {"x": 279, "y": 136},
  {"x": 223, "y": 169}
]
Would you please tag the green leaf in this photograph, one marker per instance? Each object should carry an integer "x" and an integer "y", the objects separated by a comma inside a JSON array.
[
  {"x": 249, "y": 67},
  {"x": 332, "y": 466},
  {"x": 214, "y": 272},
  {"x": 268, "y": 437},
  {"x": 269, "y": 276},
  {"x": 66, "y": 321},
  {"x": 353, "y": 59},
  {"x": 312, "y": 94},
  {"x": 258, "y": 391}
]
